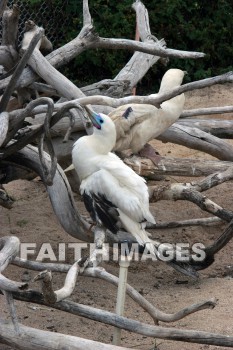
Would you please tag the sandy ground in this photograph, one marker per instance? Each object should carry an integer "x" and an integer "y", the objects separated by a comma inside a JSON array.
[{"x": 32, "y": 220}]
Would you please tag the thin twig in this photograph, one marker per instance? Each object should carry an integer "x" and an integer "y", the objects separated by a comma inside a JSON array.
[{"x": 48, "y": 172}]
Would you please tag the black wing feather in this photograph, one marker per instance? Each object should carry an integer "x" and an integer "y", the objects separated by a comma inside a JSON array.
[
  {"x": 102, "y": 210},
  {"x": 89, "y": 204}
]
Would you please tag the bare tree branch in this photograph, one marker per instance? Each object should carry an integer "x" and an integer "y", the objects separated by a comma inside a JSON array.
[
  {"x": 216, "y": 127},
  {"x": 3, "y": 5},
  {"x": 186, "y": 223},
  {"x": 128, "y": 324},
  {"x": 4, "y": 124},
  {"x": 206, "y": 111},
  {"x": 18, "y": 71},
  {"x": 176, "y": 167},
  {"x": 197, "y": 139},
  {"x": 10, "y": 20}
]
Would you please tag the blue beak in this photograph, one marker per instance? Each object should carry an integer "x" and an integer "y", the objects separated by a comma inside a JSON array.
[{"x": 96, "y": 120}]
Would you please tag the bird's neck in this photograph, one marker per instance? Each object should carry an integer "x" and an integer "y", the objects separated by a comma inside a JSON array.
[
  {"x": 173, "y": 107},
  {"x": 87, "y": 151},
  {"x": 100, "y": 144}
]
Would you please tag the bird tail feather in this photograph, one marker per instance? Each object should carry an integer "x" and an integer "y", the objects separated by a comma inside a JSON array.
[{"x": 138, "y": 232}]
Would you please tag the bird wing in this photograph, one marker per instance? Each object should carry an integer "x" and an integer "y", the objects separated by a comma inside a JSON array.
[
  {"x": 101, "y": 210},
  {"x": 126, "y": 116},
  {"x": 111, "y": 193},
  {"x": 114, "y": 206},
  {"x": 126, "y": 177}
]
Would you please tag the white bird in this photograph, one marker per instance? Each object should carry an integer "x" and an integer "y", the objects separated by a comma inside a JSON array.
[
  {"x": 113, "y": 193},
  {"x": 136, "y": 124}
]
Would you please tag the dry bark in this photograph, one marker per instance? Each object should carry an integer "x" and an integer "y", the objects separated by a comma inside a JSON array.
[
  {"x": 216, "y": 127},
  {"x": 206, "y": 111},
  {"x": 197, "y": 139},
  {"x": 176, "y": 167}
]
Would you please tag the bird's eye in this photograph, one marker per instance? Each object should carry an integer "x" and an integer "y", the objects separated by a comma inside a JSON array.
[{"x": 101, "y": 121}]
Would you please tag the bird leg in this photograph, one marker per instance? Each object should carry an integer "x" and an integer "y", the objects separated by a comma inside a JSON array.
[{"x": 149, "y": 152}]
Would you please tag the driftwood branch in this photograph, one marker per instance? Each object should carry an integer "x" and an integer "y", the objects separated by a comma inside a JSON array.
[
  {"x": 176, "y": 167},
  {"x": 155, "y": 99},
  {"x": 32, "y": 338},
  {"x": 10, "y": 20},
  {"x": 3, "y": 5},
  {"x": 186, "y": 223},
  {"x": 18, "y": 71},
  {"x": 190, "y": 192},
  {"x": 9, "y": 248},
  {"x": 98, "y": 272},
  {"x": 197, "y": 139},
  {"x": 128, "y": 324},
  {"x": 87, "y": 39},
  {"x": 217, "y": 127},
  {"x": 140, "y": 62},
  {"x": 4, "y": 124},
  {"x": 48, "y": 171},
  {"x": 51, "y": 296},
  {"x": 206, "y": 111}
]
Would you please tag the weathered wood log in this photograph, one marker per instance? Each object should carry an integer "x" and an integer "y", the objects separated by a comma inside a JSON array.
[
  {"x": 140, "y": 62},
  {"x": 217, "y": 127},
  {"x": 54, "y": 78},
  {"x": 9, "y": 248},
  {"x": 48, "y": 171},
  {"x": 8, "y": 59},
  {"x": 155, "y": 99},
  {"x": 183, "y": 192},
  {"x": 53, "y": 296},
  {"x": 106, "y": 317},
  {"x": 28, "y": 134},
  {"x": 4, "y": 124},
  {"x": 10, "y": 21},
  {"x": 206, "y": 111},
  {"x": 101, "y": 273},
  {"x": 59, "y": 193},
  {"x": 174, "y": 190},
  {"x": 107, "y": 87},
  {"x": 186, "y": 223},
  {"x": 176, "y": 167},
  {"x": 199, "y": 140},
  {"x": 221, "y": 241},
  {"x": 32, "y": 338},
  {"x": 25, "y": 136},
  {"x": 18, "y": 71},
  {"x": 88, "y": 39},
  {"x": 3, "y": 5}
]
